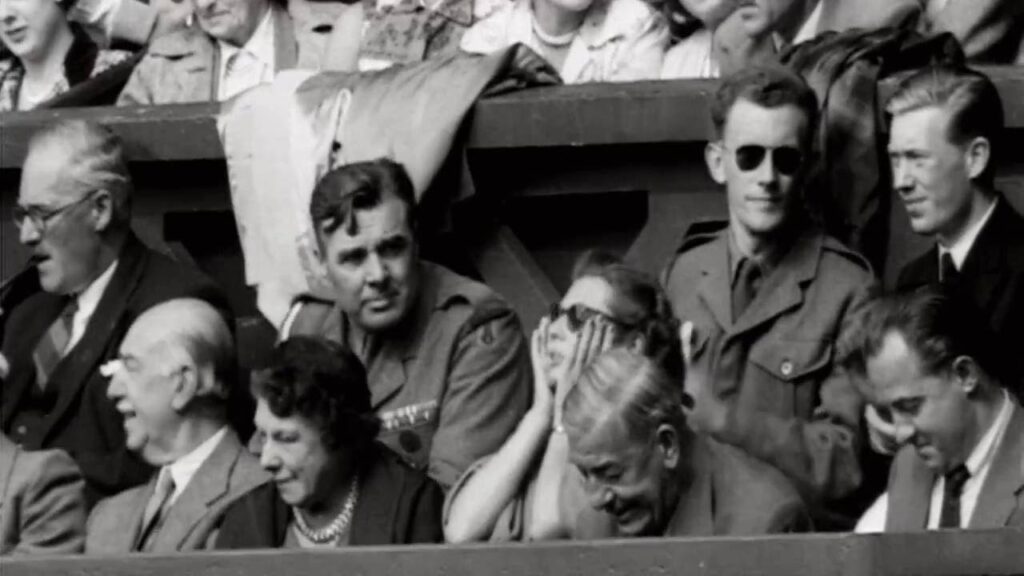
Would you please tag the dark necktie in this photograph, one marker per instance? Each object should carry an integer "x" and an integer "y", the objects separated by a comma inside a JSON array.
[
  {"x": 748, "y": 280},
  {"x": 948, "y": 272},
  {"x": 52, "y": 345},
  {"x": 955, "y": 480}
]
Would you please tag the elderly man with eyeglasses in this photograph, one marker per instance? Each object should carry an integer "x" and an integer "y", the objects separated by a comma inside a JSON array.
[
  {"x": 73, "y": 214},
  {"x": 763, "y": 297}
]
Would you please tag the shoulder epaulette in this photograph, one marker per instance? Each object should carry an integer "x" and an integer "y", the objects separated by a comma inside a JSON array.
[{"x": 700, "y": 233}]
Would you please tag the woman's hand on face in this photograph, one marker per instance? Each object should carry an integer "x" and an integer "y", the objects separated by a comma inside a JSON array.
[
  {"x": 595, "y": 337},
  {"x": 543, "y": 384}
]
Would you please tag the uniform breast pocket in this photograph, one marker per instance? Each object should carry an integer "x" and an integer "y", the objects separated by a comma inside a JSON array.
[
  {"x": 794, "y": 360},
  {"x": 409, "y": 431}
]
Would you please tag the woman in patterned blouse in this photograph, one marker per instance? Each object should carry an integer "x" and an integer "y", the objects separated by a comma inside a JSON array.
[{"x": 44, "y": 55}]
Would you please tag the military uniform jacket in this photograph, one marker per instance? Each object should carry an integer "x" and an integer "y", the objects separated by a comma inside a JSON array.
[
  {"x": 454, "y": 383},
  {"x": 773, "y": 368}
]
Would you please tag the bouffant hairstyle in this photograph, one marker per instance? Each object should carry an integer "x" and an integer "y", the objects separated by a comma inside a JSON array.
[{"x": 323, "y": 382}]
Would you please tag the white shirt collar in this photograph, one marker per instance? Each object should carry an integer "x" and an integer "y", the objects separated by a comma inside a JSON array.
[
  {"x": 809, "y": 29},
  {"x": 87, "y": 301},
  {"x": 184, "y": 468},
  {"x": 260, "y": 46},
  {"x": 962, "y": 246},
  {"x": 983, "y": 453},
  {"x": 89, "y": 298}
]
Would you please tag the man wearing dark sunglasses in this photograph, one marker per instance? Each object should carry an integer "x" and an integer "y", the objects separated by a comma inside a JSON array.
[
  {"x": 73, "y": 217},
  {"x": 763, "y": 296}
]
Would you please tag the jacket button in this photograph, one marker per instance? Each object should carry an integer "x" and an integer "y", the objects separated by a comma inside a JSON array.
[
  {"x": 21, "y": 430},
  {"x": 786, "y": 368}
]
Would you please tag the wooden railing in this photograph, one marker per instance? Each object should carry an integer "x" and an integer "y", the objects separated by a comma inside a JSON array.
[
  {"x": 936, "y": 554},
  {"x": 556, "y": 169}
]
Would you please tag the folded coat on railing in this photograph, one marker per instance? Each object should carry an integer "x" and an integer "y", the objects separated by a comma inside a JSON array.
[{"x": 280, "y": 138}]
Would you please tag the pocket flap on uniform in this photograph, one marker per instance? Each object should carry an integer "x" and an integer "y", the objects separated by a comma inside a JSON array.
[{"x": 793, "y": 359}]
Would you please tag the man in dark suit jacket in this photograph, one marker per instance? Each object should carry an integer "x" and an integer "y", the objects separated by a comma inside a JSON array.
[
  {"x": 645, "y": 473},
  {"x": 96, "y": 278},
  {"x": 927, "y": 357},
  {"x": 945, "y": 124}
]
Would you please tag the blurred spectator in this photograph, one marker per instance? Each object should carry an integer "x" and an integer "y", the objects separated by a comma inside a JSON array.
[
  {"x": 693, "y": 55},
  {"x": 944, "y": 143},
  {"x": 765, "y": 294},
  {"x": 171, "y": 382},
  {"x": 760, "y": 29},
  {"x": 446, "y": 359},
  {"x": 42, "y": 502},
  {"x": 585, "y": 40},
  {"x": 525, "y": 490},
  {"x": 376, "y": 34},
  {"x": 73, "y": 214},
  {"x": 333, "y": 484},
  {"x": 232, "y": 46},
  {"x": 991, "y": 31},
  {"x": 646, "y": 473},
  {"x": 134, "y": 22},
  {"x": 48, "y": 55},
  {"x": 928, "y": 359}
]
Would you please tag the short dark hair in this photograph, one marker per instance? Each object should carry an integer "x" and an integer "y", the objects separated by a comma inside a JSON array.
[
  {"x": 360, "y": 186},
  {"x": 324, "y": 382},
  {"x": 768, "y": 87},
  {"x": 938, "y": 323},
  {"x": 971, "y": 99},
  {"x": 640, "y": 301}
]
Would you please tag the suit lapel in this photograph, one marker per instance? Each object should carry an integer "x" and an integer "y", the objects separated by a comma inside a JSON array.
[
  {"x": 8, "y": 454},
  {"x": 45, "y": 309},
  {"x": 984, "y": 265},
  {"x": 714, "y": 288},
  {"x": 211, "y": 482},
  {"x": 1005, "y": 480},
  {"x": 286, "y": 51},
  {"x": 129, "y": 539},
  {"x": 910, "y": 493},
  {"x": 77, "y": 367}
]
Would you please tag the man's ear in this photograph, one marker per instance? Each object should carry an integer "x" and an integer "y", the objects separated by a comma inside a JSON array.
[
  {"x": 967, "y": 374},
  {"x": 977, "y": 156},
  {"x": 667, "y": 438},
  {"x": 186, "y": 387},
  {"x": 102, "y": 210},
  {"x": 714, "y": 157}
]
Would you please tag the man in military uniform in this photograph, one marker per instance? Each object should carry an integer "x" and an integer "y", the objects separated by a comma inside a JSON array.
[
  {"x": 446, "y": 358},
  {"x": 763, "y": 297}
]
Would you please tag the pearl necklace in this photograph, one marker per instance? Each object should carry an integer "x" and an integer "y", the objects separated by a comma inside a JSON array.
[
  {"x": 560, "y": 41},
  {"x": 332, "y": 531}
]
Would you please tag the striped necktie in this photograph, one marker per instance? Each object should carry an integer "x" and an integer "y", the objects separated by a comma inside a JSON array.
[
  {"x": 953, "y": 489},
  {"x": 54, "y": 343}
]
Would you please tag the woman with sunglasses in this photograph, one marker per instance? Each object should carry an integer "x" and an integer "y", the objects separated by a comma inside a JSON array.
[{"x": 527, "y": 490}]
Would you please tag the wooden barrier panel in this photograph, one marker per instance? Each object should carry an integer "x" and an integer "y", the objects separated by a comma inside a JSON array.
[
  {"x": 556, "y": 170},
  {"x": 937, "y": 553}
]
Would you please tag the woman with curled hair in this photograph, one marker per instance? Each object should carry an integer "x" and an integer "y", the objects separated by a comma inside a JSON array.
[
  {"x": 526, "y": 490},
  {"x": 333, "y": 485},
  {"x": 44, "y": 55}
]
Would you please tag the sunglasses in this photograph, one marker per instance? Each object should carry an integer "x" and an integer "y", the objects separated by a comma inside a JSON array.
[
  {"x": 786, "y": 159},
  {"x": 577, "y": 315}
]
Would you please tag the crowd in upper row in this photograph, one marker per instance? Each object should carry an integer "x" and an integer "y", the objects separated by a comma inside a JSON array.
[
  {"x": 761, "y": 385},
  {"x": 208, "y": 50}
]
